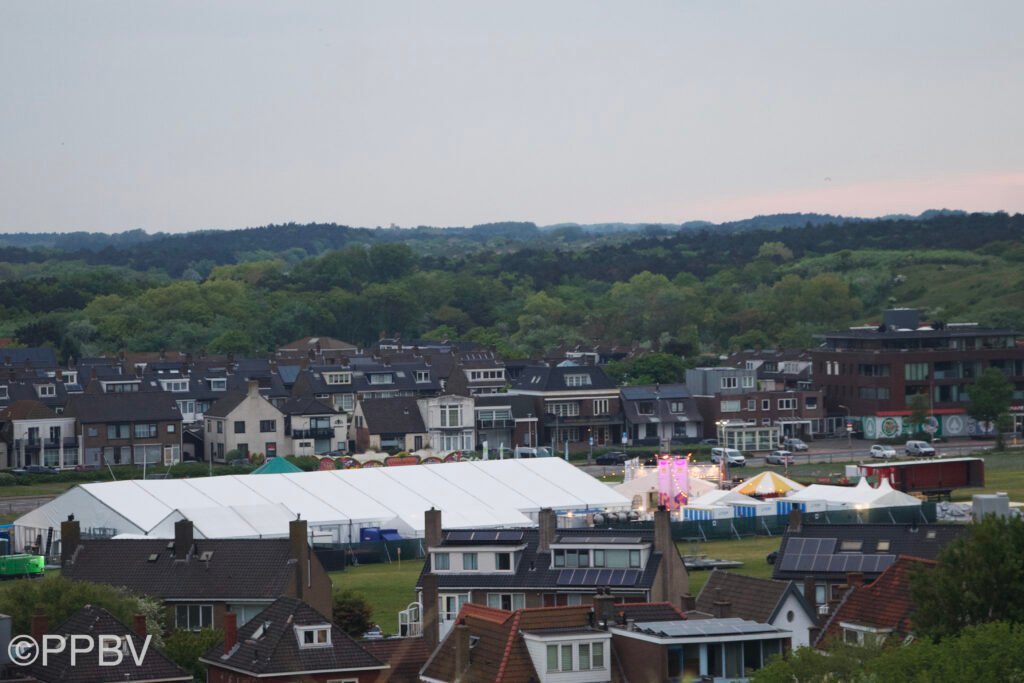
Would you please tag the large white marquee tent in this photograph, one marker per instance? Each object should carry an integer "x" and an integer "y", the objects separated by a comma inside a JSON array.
[
  {"x": 859, "y": 497},
  {"x": 336, "y": 504}
]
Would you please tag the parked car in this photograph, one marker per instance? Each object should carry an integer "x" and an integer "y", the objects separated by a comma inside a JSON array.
[
  {"x": 527, "y": 452},
  {"x": 36, "y": 469},
  {"x": 710, "y": 442},
  {"x": 794, "y": 444},
  {"x": 779, "y": 458},
  {"x": 731, "y": 455},
  {"x": 373, "y": 633},
  {"x": 883, "y": 452},
  {"x": 612, "y": 458},
  {"x": 918, "y": 448}
]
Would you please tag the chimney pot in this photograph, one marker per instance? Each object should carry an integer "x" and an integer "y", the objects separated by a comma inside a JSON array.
[
  {"x": 139, "y": 625},
  {"x": 70, "y": 539},
  {"x": 183, "y": 539},
  {"x": 432, "y": 528},
  {"x": 461, "y": 649},
  {"x": 40, "y": 625},
  {"x": 547, "y": 523},
  {"x": 430, "y": 621}
]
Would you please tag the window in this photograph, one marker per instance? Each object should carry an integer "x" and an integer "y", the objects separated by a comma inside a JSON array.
[
  {"x": 176, "y": 385},
  {"x": 506, "y": 601},
  {"x": 382, "y": 378},
  {"x": 597, "y": 655},
  {"x": 601, "y": 406},
  {"x": 787, "y": 404},
  {"x": 469, "y": 562},
  {"x": 560, "y": 657},
  {"x": 268, "y": 426},
  {"x": 451, "y": 415},
  {"x": 874, "y": 393},
  {"x": 47, "y": 390},
  {"x": 572, "y": 558},
  {"x": 347, "y": 402},
  {"x": 873, "y": 370},
  {"x": 220, "y": 426},
  {"x": 566, "y": 409},
  {"x": 645, "y": 408},
  {"x": 422, "y": 376},
  {"x": 243, "y": 449},
  {"x": 751, "y": 404},
  {"x": 442, "y": 562},
  {"x": 730, "y": 406},
  {"x": 145, "y": 430},
  {"x": 503, "y": 561},
  {"x": 218, "y": 384},
  {"x": 315, "y": 636},
  {"x": 149, "y": 454},
  {"x": 584, "y": 650},
  {"x": 730, "y": 382},
  {"x": 748, "y": 381},
  {"x": 187, "y": 407},
  {"x": 766, "y": 404},
  {"x": 883, "y": 547},
  {"x": 193, "y": 617},
  {"x": 55, "y": 433},
  {"x": 810, "y": 402},
  {"x": 677, "y": 407},
  {"x": 3, "y": 391},
  {"x": 915, "y": 371},
  {"x": 577, "y": 380},
  {"x": 118, "y": 431},
  {"x": 270, "y": 448},
  {"x": 239, "y": 426},
  {"x": 338, "y": 377}
]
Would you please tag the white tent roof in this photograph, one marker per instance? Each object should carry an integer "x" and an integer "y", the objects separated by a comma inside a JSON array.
[
  {"x": 722, "y": 497},
  {"x": 649, "y": 482},
  {"x": 471, "y": 494},
  {"x": 860, "y": 495}
]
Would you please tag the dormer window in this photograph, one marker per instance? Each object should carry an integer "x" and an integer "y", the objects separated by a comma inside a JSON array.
[
  {"x": 645, "y": 408},
  {"x": 677, "y": 407},
  {"x": 175, "y": 385},
  {"x": 338, "y": 377},
  {"x": 3, "y": 391},
  {"x": 46, "y": 390},
  {"x": 422, "y": 376},
  {"x": 220, "y": 384},
  {"x": 577, "y": 380},
  {"x": 313, "y": 636},
  {"x": 382, "y": 378}
]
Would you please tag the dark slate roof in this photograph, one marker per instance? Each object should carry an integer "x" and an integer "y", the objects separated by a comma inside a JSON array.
[
  {"x": 884, "y": 603},
  {"x": 404, "y": 657},
  {"x": 26, "y": 410},
  {"x": 26, "y": 390},
  {"x": 542, "y": 575},
  {"x": 228, "y": 574},
  {"x": 95, "y": 621},
  {"x": 522, "y": 406},
  {"x": 399, "y": 415},
  {"x": 749, "y": 597},
  {"x": 923, "y": 540},
  {"x": 306, "y": 406},
  {"x": 145, "y": 405},
  {"x": 543, "y": 378},
  {"x": 267, "y": 644},
  {"x": 39, "y": 357},
  {"x": 663, "y": 396}
]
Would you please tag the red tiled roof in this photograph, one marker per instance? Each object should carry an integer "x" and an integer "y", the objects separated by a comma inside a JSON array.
[
  {"x": 884, "y": 603},
  {"x": 404, "y": 657}
]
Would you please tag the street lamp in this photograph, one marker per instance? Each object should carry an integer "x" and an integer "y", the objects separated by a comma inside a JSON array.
[{"x": 849, "y": 427}]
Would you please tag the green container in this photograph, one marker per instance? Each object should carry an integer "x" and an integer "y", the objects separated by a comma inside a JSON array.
[{"x": 21, "y": 565}]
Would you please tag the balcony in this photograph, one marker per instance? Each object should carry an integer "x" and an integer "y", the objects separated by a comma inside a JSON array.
[
  {"x": 313, "y": 433},
  {"x": 495, "y": 424}
]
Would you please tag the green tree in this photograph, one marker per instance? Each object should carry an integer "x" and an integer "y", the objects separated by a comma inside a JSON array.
[
  {"x": 990, "y": 400},
  {"x": 351, "y": 612},
  {"x": 919, "y": 410},
  {"x": 185, "y": 648},
  {"x": 976, "y": 580}
]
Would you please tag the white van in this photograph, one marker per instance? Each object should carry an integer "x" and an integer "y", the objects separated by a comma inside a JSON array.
[
  {"x": 527, "y": 452},
  {"x": 732, "y": 456}
]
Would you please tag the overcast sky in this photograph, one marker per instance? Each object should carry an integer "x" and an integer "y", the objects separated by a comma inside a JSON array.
[{"x": 181, "y": 115}]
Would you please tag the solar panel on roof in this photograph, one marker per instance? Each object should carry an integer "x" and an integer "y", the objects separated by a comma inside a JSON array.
[
  {"x": 789, "y": 563},
  {"x": 509, "y": 536},
  {"x": 459, "y": 536},
  {"x": 820, "y": 563}
]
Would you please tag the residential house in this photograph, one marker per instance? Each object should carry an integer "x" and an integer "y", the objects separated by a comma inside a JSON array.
[
  {"x": 140, "y": 661},
  {"x": 504, "y": 420},
  {"x": 777, "y": 369},
  {"x": 870, "y": 374},
  {"x": 742, "y": 414},
  {"x": 342, "y": 384},
  {"x": 314, "y": 351},
  {"x": 246, "y": 423},
  {"x": 448, "y": 420},
  {"x": 314, "y": 427},
  {"x": 481, "y": 372},
  {"x": 877, "y": 611},
  {"x": 127, "y": 428},
  {"x": 285, "y": 642},
  {"x": 576, "y": 404},
  {"x": 200, "y": 580},
  {"x": 821, "y": 556},
  {"x": 389, "y": 424},
  {"x": 660, "y": 414},
  {"x": 764, "y": 601},
  {"x": 516, "y": 568},
  {"x": 35, "y": 435},
  {"x": 32, "y": 385}
]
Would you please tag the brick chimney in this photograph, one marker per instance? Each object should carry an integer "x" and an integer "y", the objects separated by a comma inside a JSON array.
[
  {"x": 183, "y": 539},
  {"x": 722, "y": 607},
  {"x": 604, "y": 607},
  {"x": 795, "y": 520},
  {"x": 810, "y": 590},
  {"x": 430, "y": 617},
  {"x": 432, "y": 528},
  {"x": 547, "y": 524},
  {"x": 663, "y": 544},
  {"x": 688, "y": 602},
  {"x": 70, "y": 539},
  {"x": 139, "y": 625},
  {"x": 254, "y": 388},
  {"x": 298, "y": 550},
  {"x": 230, "y": 631},
  {"x": 40, "y": 625},
  {"x": 461, "y": 649}
]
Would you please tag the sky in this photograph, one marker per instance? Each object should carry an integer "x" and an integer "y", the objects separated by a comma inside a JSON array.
[{"x": 179, "y": 116}]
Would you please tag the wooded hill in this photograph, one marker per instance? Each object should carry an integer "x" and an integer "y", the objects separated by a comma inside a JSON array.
[{"x": 515, "y": 286}]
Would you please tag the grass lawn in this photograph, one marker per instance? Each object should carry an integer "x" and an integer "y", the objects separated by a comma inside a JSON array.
[
  {"x": 389, "y": 588},
  {"x": 54, "y": 488},
  {"x": 1004, "y": 471},
  {"x": 750, "y": 551}
]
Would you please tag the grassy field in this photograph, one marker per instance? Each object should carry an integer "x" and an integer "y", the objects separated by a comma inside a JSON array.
[
  {"x": 44, "y": 489},
  {"x": 389, "y": 588}
]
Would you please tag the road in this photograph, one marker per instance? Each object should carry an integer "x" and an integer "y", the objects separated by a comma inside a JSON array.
[{"x": 22, "y": 504}]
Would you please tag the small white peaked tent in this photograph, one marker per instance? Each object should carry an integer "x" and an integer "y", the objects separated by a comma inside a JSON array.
[
  {"x": 722, "y": 497},
  {"x": 860, "y": 497}
]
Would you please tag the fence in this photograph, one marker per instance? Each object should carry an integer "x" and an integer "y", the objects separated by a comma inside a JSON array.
[
  {"x": 336, "y": 557},
  {"x": 772, "y": 525}
]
